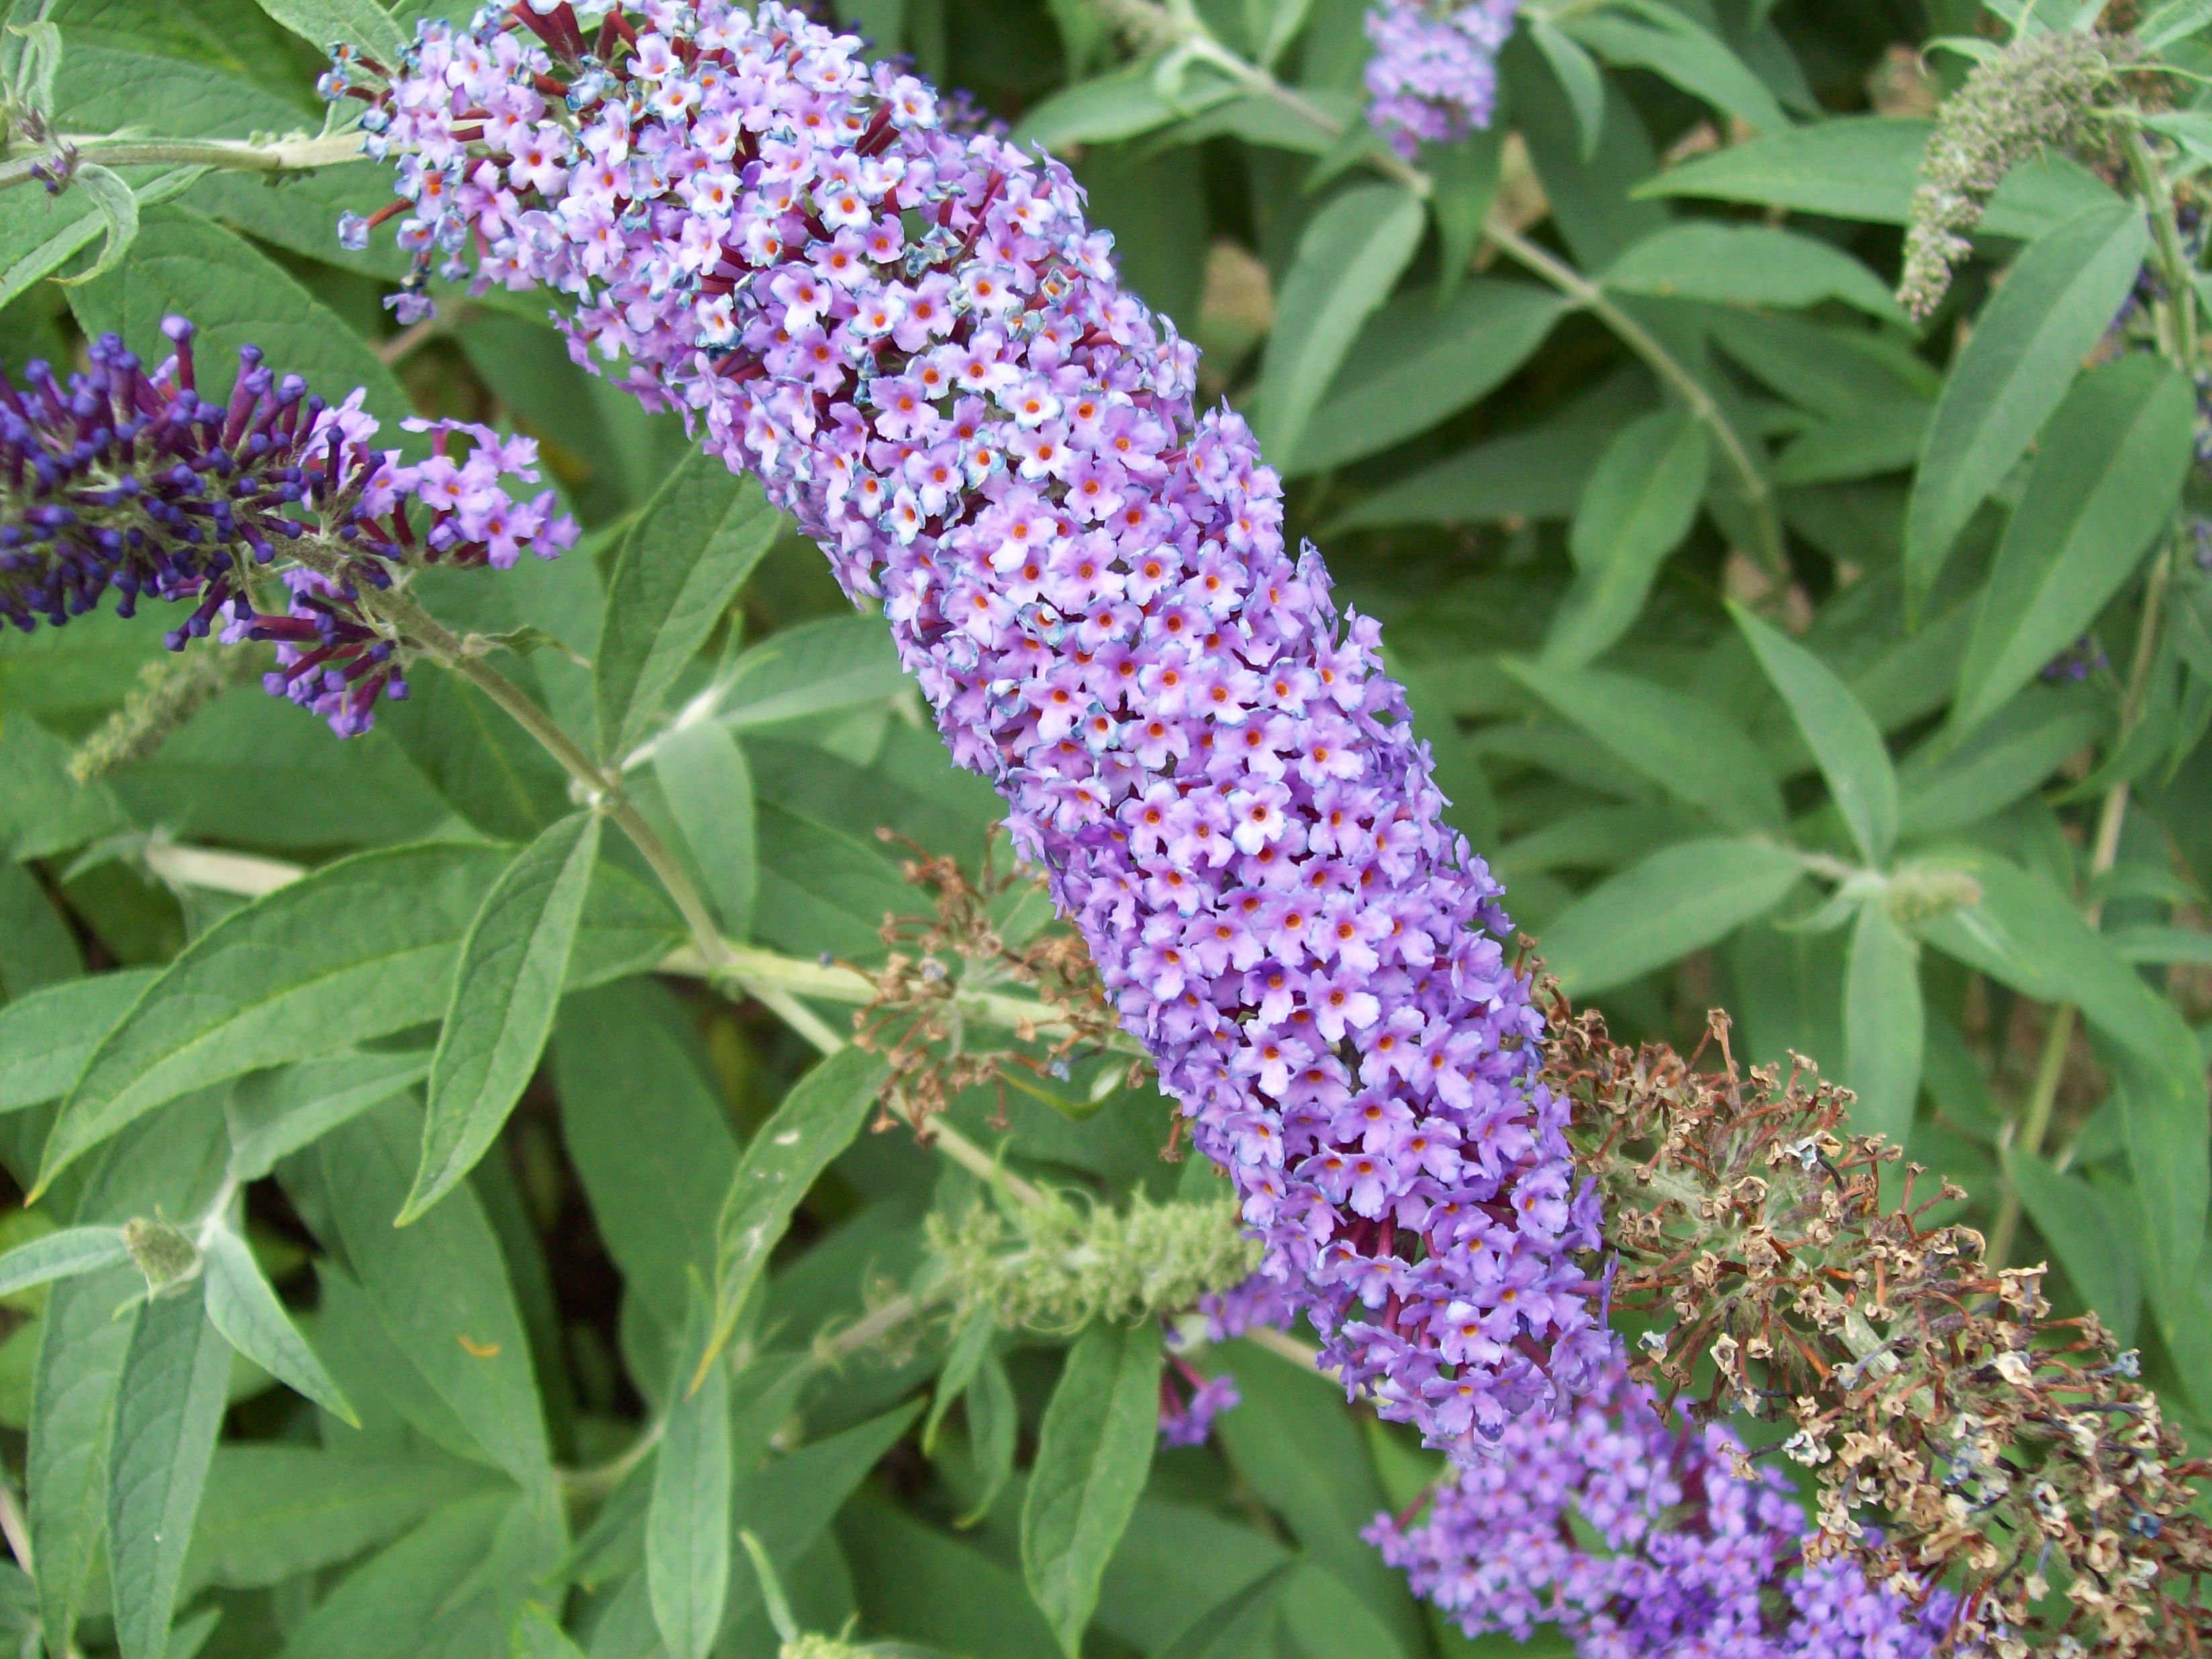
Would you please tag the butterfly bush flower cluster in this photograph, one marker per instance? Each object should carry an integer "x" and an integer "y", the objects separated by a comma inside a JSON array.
[
  {"x": 1641, "y": 1536},
  {"x": 126, "y": 482},
  {"x": 1433, "y": 78},
  {"x": 914, "y": 339}
]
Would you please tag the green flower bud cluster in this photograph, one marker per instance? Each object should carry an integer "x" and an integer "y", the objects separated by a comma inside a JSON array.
[
  {"x": 2041, "y": 91},
  {"x": 170, "y": 690},
  {"x": 1058, "y": 1262}
]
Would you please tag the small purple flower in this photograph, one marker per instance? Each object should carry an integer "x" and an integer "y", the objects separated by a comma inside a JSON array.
[
  {"x": 904, "y": 326},
  {"x": 1433, "y": 78},
  {"x": 1186, "y": 1420},
  {"x": 1634, "y": 1533},
  {"x": 2078, "y": 661}
]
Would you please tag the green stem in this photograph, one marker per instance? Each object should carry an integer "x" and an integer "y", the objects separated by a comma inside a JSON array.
[
  {"x": 2026, "y": 1135},
  {"x": 2172, "y": 261},
  {"x": 1143, "y": 20},
  {"x": 284, "y": 155}
]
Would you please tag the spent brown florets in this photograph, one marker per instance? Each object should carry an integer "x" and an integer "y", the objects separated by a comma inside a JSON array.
[
  {"x": 2041, "y": 92},
  {"x": 1958, "y": 1432},
  {"x": 988, "y": 965}
]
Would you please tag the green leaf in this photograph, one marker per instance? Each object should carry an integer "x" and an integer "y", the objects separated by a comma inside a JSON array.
[
  {"x": 994, "y": 1422},
  {"x": 422, "y": 1584},
  {"x": 1305, "y": 1456},
  {"x": 273, "y": 1113},
  {"x": 694, "y": 545},
  {"x": 1682, "y": 744},
  {"x": 244, "y": 1310},
  {"x": 238, "y": 295},
  {"x": 1108, "y": 108},
  {"x": 1348, "y": 260},
  {"x": 484, "y": 765},
  {"x": 63, "y": 1254},
  {"x": 649, "y": 1137},
  {"x": 2090, "y": 1238},
  {"x": 709, "y": 789},
  {"x": 324, "y": 23},
  {"x": 1640, "y": 502},
  {"x": 73, "y": 1394},
  {"x": 1529, "y": 474},
  {"x": 1578, "y": 76},
  {"x": 2172, "y": 21},
  {"x": 2106, "y": 482},
  {"x": 1884, "y": 1026},
  {"x": 2014, "y": 371},
  {"x": 971, "y": 1343},
  {"x": 1866, "y": 168},
  {"x": 1748, "y": 264},
  {"x": 2025, "y": 933},
  {"x": 1416, "y": 364},
  {"x": 537, "y": 1636},
  {"x": 508, "y": 982},
  {"x": 1679, "y": 900},
  {"x": 117, "y": 206},
  {"x": 1949, "y": 788},
  {"x": 1672, "y": 46},
  {"x": 1842, "y": 735},
  {"x": 816, "y": 1120},
  {"x": 789, "y": 1505},
  {"x": 687, "y": 1527},
  {"x": 438, "y": 1288},
  {"x": 47, "y": 1036},
  {"x": 168, "y": 1411},
  {"x": 1239, "y": 1626},
  {"x": 814, "y": 670},
  {"x": 1094, "y": 1451},
  {"x": 356, "y": 949},
  {"x": 272, "y": 1511},
  {"x": 1464, "y": 178}
]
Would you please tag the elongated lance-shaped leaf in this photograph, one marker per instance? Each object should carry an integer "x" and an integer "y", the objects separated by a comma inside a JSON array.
[
  {"x": 2107, "y": 480},
  {"x": 274, "y": 1113},
  {"x": 1885, "y": 1025},
  {"x": 1093, "y": 1453},
  {"x": 687, "y": 1524},
  {"x": 1637, "y": 507},
  {"x": 1348, "y": 260},
  {"x": 1842, "y": 735},
  {"x": 325, "y": 23},
  {"x": 513, "y": 964},
  {"x": 709, "y": 788},
  {"x": 246, "y": 1312},
  {"x": 816, "y": 1120},
  {"x": 357, "y": 950},
  {"x": 47, "y": 1035},
  {"x": 167, "y": 1412},
  {"x": 64, "y": 1255},
  {"x": 694, "y": 545},
  {"x": 2016, "y": 366},
  {"x": 1679, "y": 899}
]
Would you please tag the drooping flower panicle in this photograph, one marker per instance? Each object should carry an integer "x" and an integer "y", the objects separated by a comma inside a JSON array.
[
  {"x": 133, "y": 484},
  {"x": 914, "y": 339},
  {"x": 1433, "y": 78},
  {"x": 1644, "y": 1536}
]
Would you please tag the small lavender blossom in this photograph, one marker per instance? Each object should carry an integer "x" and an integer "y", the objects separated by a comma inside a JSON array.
[
  {"x": 914, "y": 338},
  {"x": 1644, "y": 1536},
  {"x": 1186, "y": 1419},
  {"x": 2079, "y": 660},
  {"x": 1433, "y": 78},
  {"x": 133, "y": 483}
]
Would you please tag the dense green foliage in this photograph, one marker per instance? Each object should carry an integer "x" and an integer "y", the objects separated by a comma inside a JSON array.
[{"x": 1726, "y": 593}]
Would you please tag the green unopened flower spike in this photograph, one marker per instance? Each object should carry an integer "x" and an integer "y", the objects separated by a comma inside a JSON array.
[
  {"x": 171, "y": 689},
  {"x": 1060, "y": 1262},
  {"x": 2041, "y": 91}
]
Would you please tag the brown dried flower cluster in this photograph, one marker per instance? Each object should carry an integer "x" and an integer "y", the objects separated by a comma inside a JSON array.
[
  {"x": 1958, "y": 1431},
  {"x": 946, "y": 999}
]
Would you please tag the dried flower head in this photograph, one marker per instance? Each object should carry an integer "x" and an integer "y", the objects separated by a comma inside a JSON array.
[
  {"x": 2041, "y": 91},
  {"x": 1959, "y": 1433}
]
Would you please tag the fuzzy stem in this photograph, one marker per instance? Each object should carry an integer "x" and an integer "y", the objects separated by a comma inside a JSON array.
[{"x": 285, "y": 156}]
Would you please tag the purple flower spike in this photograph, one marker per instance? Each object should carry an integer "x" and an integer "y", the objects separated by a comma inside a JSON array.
[
  {"x": 1433, "y": 78},
  {"x": 133, "y": 484},
  {"x": 910, "y": 334},
  {"x": 1634, "y": 1532}
]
